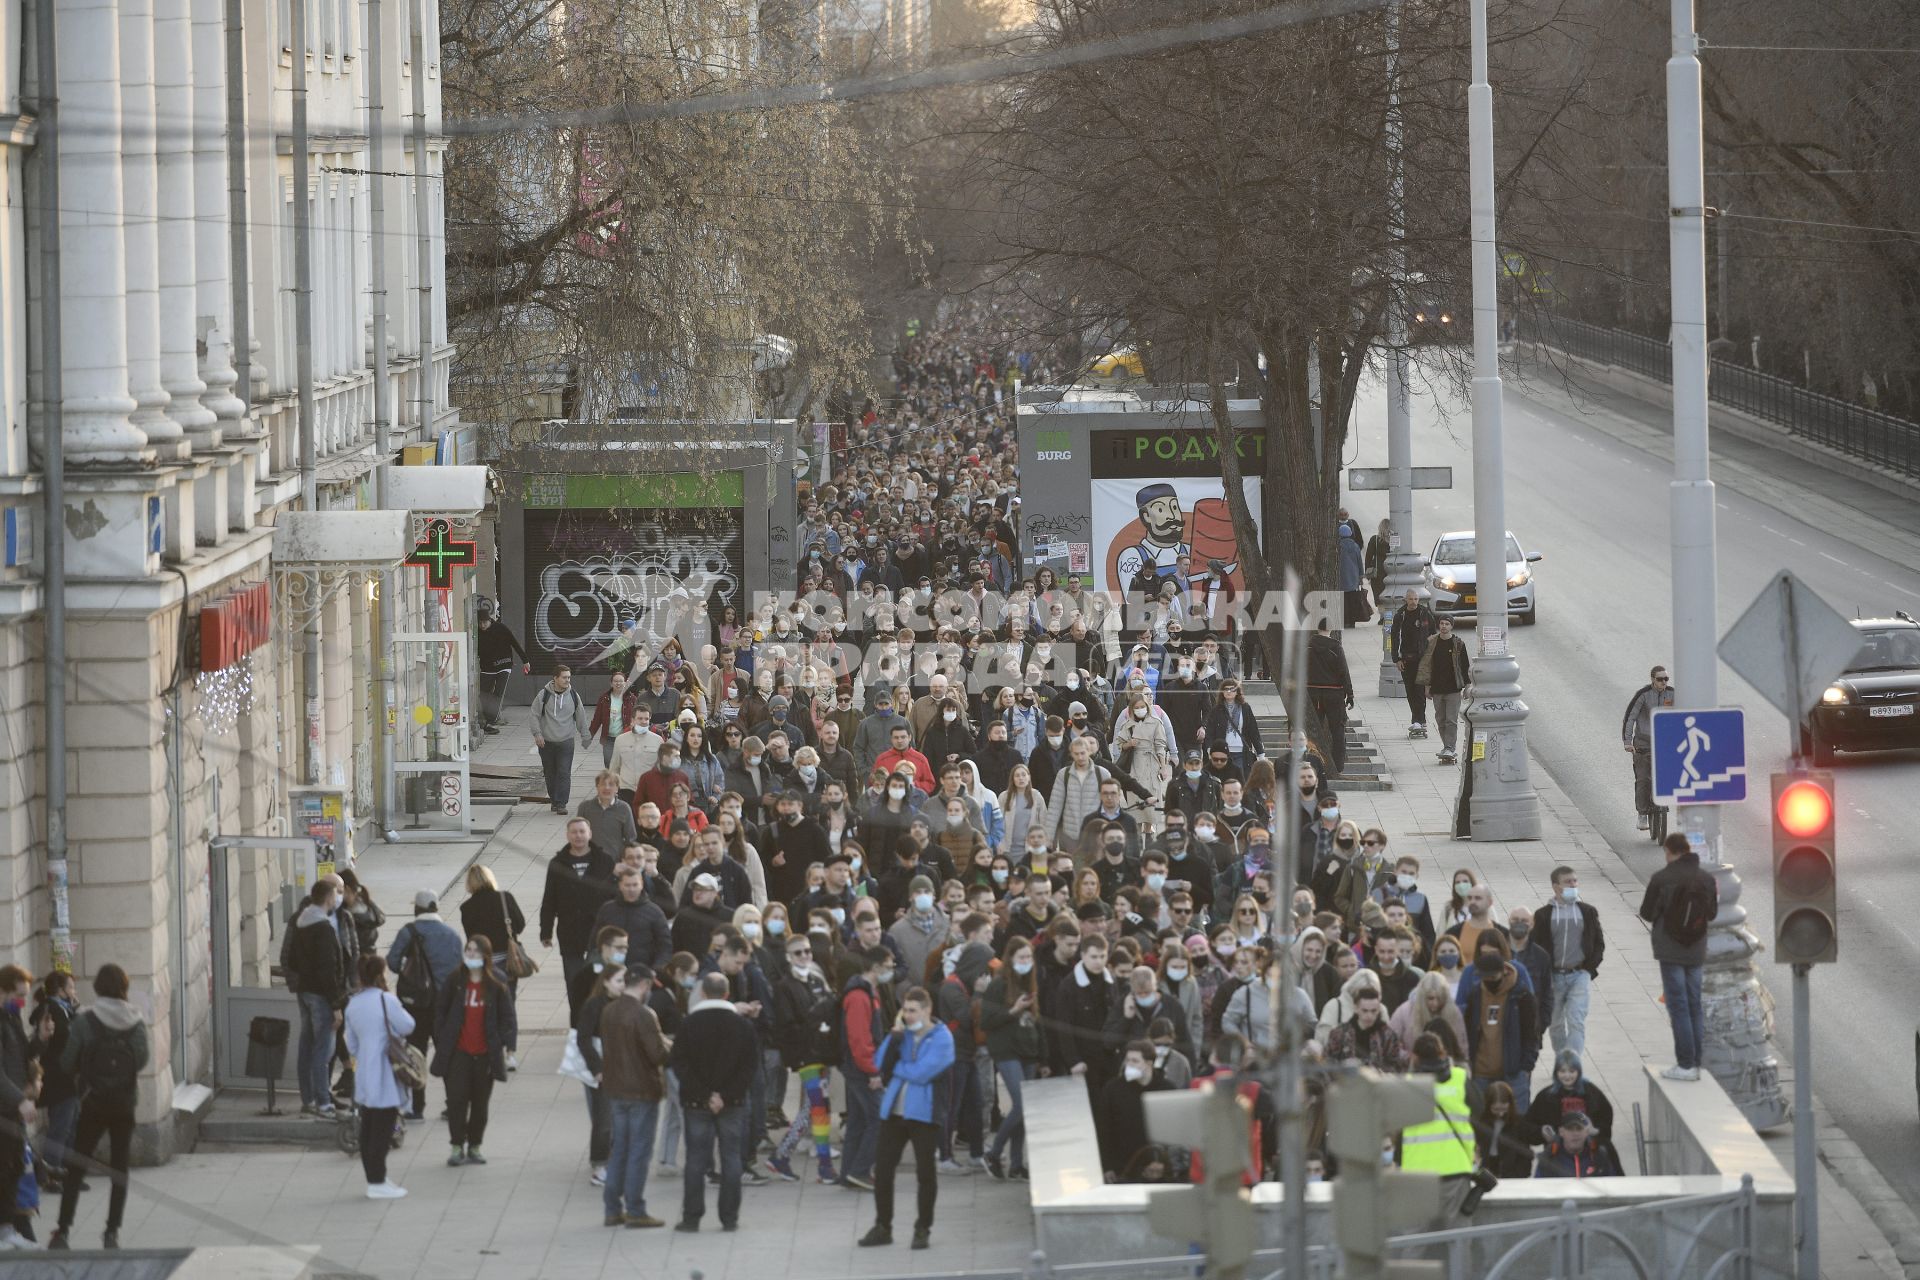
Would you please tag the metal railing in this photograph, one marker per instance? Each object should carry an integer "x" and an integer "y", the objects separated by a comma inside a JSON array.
[
  {"x": 1707, "y": 1237},
  {"x": 1879, "y": 438}
]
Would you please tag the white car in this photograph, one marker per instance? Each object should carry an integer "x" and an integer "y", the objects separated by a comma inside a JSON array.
[{"x": 1450, "y": 576}]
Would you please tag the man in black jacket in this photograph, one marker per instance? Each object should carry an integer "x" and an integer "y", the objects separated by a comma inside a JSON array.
[
  {"x": 1081, "y": 1001},
  {"x": 649, "y": 936},
  {"x": 699, "y": 916},
  {"x": 792, "y": 843},
  {"x": 1120, "y": 1111},
  {"x": 579, "y": 879},
  {"x": 1193, "y": 790},
  {"x": 1681, "y": 901},
  {"x": 1413, "y": 626},
  {"x": 714, "y": 1056},
  {"x": 316, "y": 974},
  {"x": 1444, "y": 672},
  {"x": 1330, "y": 687},
  {"x": 1570, "y": 933}
]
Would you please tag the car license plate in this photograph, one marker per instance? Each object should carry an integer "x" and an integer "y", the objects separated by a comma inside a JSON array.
[
  {"x": 1903, "y": 710},
  {"x": 1467, "y": 599}
]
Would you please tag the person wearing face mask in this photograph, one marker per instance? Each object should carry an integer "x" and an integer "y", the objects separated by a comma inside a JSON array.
[
  {"x": 1447, "y": 961},
  {"x": 473, "y": 1022},
  {"x": 874, "y": 735},
  {"x": 948, "y": 737},
  {"x": 1180, "y": 1001},
  {"x": 1497, "y": 1003},
  {"x": 913, "y": 1061},
  {"x": 1193, "y": 790},
  {"x": 792, "y": 844},
  {"x": 1405, "y": 887},
  {"x": 1569, "y": 930},
  {"x": 1368, "y": 874},
  {"x": 1009, "y": 1015},
  {"x": 1077, "y": 1016},
  {"x": 955, "y": 1003},
  {"x": 807, "y": 1034},
  {"x": 889, "y": 820},
  {"x": 318, "y": 975},
  {"x": 1430, "y": 1008},
  {"x": 1049, "y": 755},
  {"x": 1120, "y": 1113},
  {"x": 1144, "y": 748},
  {"x": 1330, "y": 868},
  {"x": 608, "y": 982},
  {"x": 922, "y": 931},
  {"x": 1114, "y": 866},
  {"x": 1531, "y": 957},
  {"x": 1141, "y": 1006},
  {"x": 835, "y": 891}
]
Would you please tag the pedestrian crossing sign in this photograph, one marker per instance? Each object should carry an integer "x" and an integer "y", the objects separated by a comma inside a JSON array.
[{"x": 1699, "y": 757}]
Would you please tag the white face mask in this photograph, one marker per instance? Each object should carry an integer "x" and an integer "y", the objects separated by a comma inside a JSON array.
[
  {"x": 1054, "y": 741},
  {"x": 1203, "y": 833},
  {"x": 1136, "y": 1074},
  {"x": 1177, "y": 973},
  {"x": 1404, "y": 881},
  {"x": 751, "y": 930},
  {"x": 898, "y": 793},
  {"x": 923, "y": 902}
]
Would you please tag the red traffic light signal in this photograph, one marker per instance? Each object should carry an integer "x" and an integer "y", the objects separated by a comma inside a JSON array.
[
  {"x": 1805, "y": 869},
  {"x": 1804, "y": 809}
]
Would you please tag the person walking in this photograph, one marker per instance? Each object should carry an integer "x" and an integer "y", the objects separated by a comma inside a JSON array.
[
  {"x": 424, "y": 957},
  {"x": 579, "y": 878},
  {"x": 1570, "y": 932},
  {"x": 1443, "y": 673},
  {"x": 497, "y": 649},
  {"x": 807, "y": 1030},
  {"x": 494, "y": 911},
  {"x": 915, "y": 1063},
  {"x": 633, "y": 1060},
  {"x": 107, "y": 1048},
  {"x": 1010, "y": 1015},
  {"x": 50, "y": 1025},
  {"x": 610, "y": 820},
  {"x": 374, "y": 1019},
  {"x": 1413, "y": 625},
  {"x": 1497, "y": 1003},
  {"x": 715, "y": 1055},
  {"x": 472, "y": 1024},
  {"x": 318, "y": 976},
  {"x": 559, "y": 722},
  {"x": 1636, "y": 735},
  {"x": 1330, "y": 688},
  {"x": 1680, "y": 902}
]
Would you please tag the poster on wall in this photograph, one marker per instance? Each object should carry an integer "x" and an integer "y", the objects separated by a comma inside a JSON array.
[{"x": 1142, "y": 527}]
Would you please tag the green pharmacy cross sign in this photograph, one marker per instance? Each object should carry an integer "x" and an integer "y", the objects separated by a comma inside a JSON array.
[{"x": 439, "y": 554}]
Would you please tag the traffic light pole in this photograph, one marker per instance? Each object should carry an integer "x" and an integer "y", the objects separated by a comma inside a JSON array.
[{"x": 1806, "y": 1184}]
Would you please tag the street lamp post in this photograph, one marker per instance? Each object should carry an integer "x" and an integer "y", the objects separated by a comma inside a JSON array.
[
  {"x": 1502, "y": 804},
  {"x": 1403, "y": 566},
  {"x": 1739, "y": 1050}
]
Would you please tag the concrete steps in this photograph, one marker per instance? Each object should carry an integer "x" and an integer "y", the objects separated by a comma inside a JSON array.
[{"x": 1366, "y": 767}]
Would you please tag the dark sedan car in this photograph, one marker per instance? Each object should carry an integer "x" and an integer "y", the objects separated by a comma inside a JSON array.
[{"x": 1875, "y": 703}]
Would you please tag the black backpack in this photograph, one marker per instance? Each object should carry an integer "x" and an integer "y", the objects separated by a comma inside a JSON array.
[
  {"x": 822, "y": 1036},
  {"x": 111, "y": 1066},
  {"x": 415, "y": 987},
  {"x": 1690, "y": 909}
]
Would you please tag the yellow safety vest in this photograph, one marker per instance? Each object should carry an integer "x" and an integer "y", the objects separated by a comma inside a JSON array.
[{"x": 1443, "y": 1144}]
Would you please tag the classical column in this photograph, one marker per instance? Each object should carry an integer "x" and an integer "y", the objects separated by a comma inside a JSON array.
[
  {"x": 96, "y": 407},
  {"x": 212, "y": 225},
  {"x": 179, "y": 281},
  {"x": 139, "y": 167}
]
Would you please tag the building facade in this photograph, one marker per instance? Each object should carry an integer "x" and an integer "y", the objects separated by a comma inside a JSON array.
[{"x": 187, "y": 718}]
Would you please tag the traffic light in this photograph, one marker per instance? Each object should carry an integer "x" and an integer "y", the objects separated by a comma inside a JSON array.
[
  {"x": 1369, "y": 1201},
  {"x": 1218, "y": 1212},
  {"x": 1805, "y": 869}
]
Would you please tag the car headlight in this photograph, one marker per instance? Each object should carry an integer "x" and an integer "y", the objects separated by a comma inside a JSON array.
[
  {"x": 1834, "y": 696},
  {"x": 1445, "y": 584},
  {"x": 1520, "y": 579}
]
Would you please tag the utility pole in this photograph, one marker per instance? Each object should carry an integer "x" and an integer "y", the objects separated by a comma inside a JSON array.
[
  {"x": 1289, "y": 1086},
  {"x": 1497, "y": 785},
  {"x": 376, "y": 71},
  {"x": 1730, "y": 988},
  {"x": 1403, "y": 566},
  {"x": 303, "y": 363},
  {"x": 422, "y": 216}
]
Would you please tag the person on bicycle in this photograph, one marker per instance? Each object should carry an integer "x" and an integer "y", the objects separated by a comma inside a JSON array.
[{"x": 1636, "y": 734}]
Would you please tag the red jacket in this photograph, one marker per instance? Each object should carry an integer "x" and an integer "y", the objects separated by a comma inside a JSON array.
[
  {"x": 860, "y": 1009},
  {"x": 657, "y": 787},
  {"x": 923, "y": 777}
]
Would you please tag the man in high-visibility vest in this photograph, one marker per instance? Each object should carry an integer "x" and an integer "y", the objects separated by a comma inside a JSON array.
[{"x": 1444, "y": 1144}]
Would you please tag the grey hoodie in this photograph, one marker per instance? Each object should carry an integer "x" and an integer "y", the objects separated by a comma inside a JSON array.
[
  {"x": 116, "y": 1016},
  {"x": 557, "y": 717}
]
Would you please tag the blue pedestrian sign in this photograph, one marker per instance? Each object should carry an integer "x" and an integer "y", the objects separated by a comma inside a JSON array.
[{"x": 1699, "y": 757}]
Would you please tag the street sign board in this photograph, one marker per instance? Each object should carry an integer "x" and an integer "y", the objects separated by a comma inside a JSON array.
[
  {"x": 1790, "y": 644},
  {"x": 1369, "y": 478},
  {"x": 1699, "y": 757}
]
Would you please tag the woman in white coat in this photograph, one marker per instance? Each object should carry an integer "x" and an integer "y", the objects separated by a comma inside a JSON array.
[{"x": 374, "y": 1015}]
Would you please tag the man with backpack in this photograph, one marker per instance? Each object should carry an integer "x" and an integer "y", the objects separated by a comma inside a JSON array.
[
  {"x": 559, "y": 720},
  {"x": 107, "y": 1048},
  {"x": 425, "y": 955},
  {"x": 1681, "y": 901}
]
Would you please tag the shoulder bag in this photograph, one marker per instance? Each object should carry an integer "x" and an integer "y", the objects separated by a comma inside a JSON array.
[{"x": 409, "y": 1064}]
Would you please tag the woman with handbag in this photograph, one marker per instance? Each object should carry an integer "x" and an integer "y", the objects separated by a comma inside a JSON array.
[
  {"x": 473, "y": 1024},
  {"x": 492, "y": 911},
  {"x": 377, "y": 1027}
]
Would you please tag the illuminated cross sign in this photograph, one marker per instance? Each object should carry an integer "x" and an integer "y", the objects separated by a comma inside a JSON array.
[{"x": 439, "y": 554}]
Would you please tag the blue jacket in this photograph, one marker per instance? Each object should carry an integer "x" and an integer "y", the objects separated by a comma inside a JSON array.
[
  {"x": 442, "y": 943},
  {"x": 917, "y": 1064}
]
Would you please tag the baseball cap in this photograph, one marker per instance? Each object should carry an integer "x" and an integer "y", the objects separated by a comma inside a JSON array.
[
  {"x": 706, "y": 881},
  {"x": 1193, "y": 755},
  {"x": 425, "y": 901},
  {"x": 1575, "y": 1120},
  {"x": 637, "y": 972}
]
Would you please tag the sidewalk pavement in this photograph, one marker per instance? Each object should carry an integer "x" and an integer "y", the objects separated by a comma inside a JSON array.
[
  {"x": 1626, "y": 1022},
  {"x": 531, "y": 1211}
]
